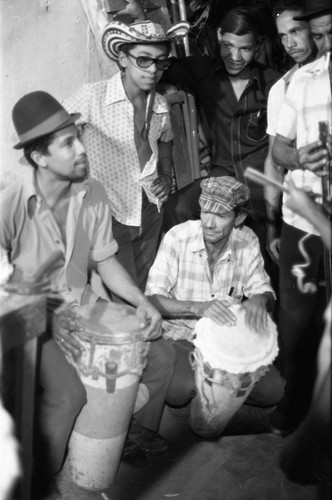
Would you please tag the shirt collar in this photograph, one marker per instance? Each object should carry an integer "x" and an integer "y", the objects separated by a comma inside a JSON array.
[
  {"x": 198, "y": 245},
  {"x": 30, "y": 190},
  {"x": 317, "y": 66},
  {"x": 289, "y": 75},
  {"x": 115, "y": 92},
  {"x": 256, "y": 75}
]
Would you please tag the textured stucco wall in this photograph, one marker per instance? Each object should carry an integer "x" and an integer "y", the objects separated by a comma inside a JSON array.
[{"x": 45, "y": 45}]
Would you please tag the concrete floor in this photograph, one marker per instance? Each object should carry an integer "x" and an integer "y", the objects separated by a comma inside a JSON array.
[{"x": 242, "y": 464}]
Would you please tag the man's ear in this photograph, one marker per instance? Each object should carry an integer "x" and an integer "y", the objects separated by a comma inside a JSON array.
[
  {"x": 122, "y": 60},
  {"x": 240, "y": 218},
  {"x": 219, "y": 35},
  {"x": 39, "y": 159}
]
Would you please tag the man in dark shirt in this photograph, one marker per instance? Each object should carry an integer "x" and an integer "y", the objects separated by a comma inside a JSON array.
[{"x": 231, "y": 95}]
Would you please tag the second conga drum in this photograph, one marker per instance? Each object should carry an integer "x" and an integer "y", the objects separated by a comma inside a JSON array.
[
  {"x": 228, "y": 361},
  {"x": 112, "y": 361}
]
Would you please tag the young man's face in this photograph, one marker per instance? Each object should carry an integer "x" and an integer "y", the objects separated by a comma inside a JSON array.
[
  {"x": 143, "y": 78},
  {"x": 295, "y": 36},
  {"x": 217, "y": 227},
  {"x": 237, "y": 51},
  {"x": 321, "y": 32},
  {"x": 66, "y": 157}
]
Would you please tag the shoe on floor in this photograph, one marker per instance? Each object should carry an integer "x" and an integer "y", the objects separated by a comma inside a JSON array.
[
  {"x": 44, "y": 489},
  {"x": 147, "y": 440},
  {"x": 133, "y": 455},
  {"x": 283, "y": 425}
]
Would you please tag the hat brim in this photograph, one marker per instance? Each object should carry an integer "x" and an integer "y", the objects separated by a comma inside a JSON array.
[
  {"x": 52, "y": 125},
  {"x": 117, "y": 34},
  {"x": 313, "y": 13}
]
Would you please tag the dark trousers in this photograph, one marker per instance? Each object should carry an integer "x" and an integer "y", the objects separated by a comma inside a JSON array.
[
  {"x": 268, "y": 391},
  {"x": 300, "y": 316},
  {"x": 138, "y": 245},
  {"x": 156, "y": 376},
  {"x": 61, "y": 399}
]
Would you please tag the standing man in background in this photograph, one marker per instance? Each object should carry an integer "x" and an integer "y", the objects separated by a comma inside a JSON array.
[
  {"x": 302, "y": 281},
  {"x": 297, "y": 41},
  {"x": 231, "y": 95},
  {"x": 128, "y": 138}
]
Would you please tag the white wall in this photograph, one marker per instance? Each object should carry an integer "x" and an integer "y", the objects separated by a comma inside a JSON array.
[{"x": 45, "y": 45}]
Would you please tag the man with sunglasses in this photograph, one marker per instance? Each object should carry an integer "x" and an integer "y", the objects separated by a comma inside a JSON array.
[{"x": 127, "y": 135}]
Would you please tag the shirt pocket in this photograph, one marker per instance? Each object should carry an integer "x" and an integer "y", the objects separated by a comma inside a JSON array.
[{"x": 256, "y": 127}]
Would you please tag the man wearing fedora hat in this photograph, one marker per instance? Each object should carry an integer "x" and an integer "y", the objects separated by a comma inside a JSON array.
[
  {"x": 201, "y": 268},
  {"x": 298, "y": 148},
  {"x": 54, "y": 206}
]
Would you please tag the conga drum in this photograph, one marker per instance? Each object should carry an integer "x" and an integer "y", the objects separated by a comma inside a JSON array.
[
  {"x": 113, "y": 358},
  {"x": 228, "y": 361}
]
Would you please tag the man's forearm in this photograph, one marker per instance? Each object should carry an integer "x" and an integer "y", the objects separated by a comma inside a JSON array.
[
  {"x": 172, "y": 308},
  {"x": 119, "y": 281},
  {"x": 270, "y": 301},
  {"x": 165, "y": 161},
  {"x": 271, "y": 194},
  {"x": 285, "y": 154}
]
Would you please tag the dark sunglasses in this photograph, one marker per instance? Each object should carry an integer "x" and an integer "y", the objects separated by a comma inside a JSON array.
[{"x": 146, "y": 62}]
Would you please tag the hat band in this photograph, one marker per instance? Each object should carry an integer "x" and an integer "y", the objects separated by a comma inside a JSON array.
[{"x": 45, "y": 127}]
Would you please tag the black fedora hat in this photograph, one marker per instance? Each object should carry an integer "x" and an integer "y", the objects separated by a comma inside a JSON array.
[
  {"x": 38, "y": 114},
  {"x": 314, "y": 8}
]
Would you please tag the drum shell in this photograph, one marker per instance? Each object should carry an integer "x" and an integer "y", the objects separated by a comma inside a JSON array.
[
  {"x": 110, "y": 368},
  {"x": 220, "y": 395}
]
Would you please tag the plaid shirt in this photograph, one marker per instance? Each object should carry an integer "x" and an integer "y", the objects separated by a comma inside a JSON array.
[
  {"x": 181, "y": 271},
  {"x": 108, "y": 116},
  {"x": 307, "y": 101}
]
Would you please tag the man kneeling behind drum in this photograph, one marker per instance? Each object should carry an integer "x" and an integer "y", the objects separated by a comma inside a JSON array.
[{"x": 203, "y": 267}]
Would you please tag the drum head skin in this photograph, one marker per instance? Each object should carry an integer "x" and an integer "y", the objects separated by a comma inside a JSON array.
[
  {"x": 114, "y": 321},
  {"x": 236, "y": 349}
]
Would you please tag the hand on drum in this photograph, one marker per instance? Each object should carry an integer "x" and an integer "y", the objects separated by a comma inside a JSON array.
[
  {"x": 62, "y": 333},
  {"x": 218, "y": 311},
  {"x": 256, "y": 312},
  {"x": 150, "y": 318}
]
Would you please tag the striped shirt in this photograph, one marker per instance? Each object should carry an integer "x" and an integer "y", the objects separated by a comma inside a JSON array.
[
  {"x": 181, "y": 271},
  {"x": 307, "y": 101},
  {"x": 108, "y": 119}
]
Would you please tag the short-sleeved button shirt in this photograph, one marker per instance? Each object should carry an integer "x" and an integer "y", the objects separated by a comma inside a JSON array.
[
  {"x": 181, "y": 271},
  {"x": 307, "y": 101},
  {"x": 29, "y": 232},
  {"x": 276, "y": 99},
  {"x": 108, "y": 118}
]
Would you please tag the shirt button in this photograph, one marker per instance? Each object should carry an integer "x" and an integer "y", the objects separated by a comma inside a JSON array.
[
  {"x": 212, "y": 294},
  {"x": 69, "y": 288},
  {"x": 57, "y": 242}
]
